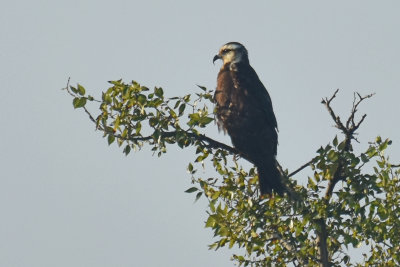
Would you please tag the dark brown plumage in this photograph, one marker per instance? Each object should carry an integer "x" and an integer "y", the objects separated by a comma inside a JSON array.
[{"x": 244, "y": 111}]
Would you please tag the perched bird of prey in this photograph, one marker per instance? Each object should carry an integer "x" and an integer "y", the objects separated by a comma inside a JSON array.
[{"x": 244, "y": 111}]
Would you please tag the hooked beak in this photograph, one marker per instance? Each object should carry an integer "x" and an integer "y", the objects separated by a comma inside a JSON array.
[{"x": 216, "y": 58}]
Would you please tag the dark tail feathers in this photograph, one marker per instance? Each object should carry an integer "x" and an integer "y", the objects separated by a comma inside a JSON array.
[{"x": 270, "y": 178}]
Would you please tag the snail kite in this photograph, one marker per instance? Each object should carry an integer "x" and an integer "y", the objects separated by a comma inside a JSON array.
[{"x": 244, "y": 111}]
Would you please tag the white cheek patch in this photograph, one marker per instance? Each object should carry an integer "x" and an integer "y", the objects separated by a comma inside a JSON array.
[
  {"x": 232, "y": 57},
  {"x": 229, "y": 57}
]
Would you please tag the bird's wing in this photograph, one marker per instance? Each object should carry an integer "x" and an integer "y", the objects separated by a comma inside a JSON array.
[{"x": 247, "y": 79}]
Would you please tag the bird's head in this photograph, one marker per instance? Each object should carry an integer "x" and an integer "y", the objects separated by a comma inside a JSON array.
[{"x": 232, "y": 52}]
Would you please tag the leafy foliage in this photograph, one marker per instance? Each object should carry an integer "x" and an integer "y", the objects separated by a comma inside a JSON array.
[{"x": 313, "y": 224}]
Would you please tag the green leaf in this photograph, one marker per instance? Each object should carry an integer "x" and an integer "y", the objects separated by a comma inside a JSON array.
[
  {"x": 311, "y": 184},
  {"x": 342, "y": 145},
  {"x": 111, "y": 139},
  {"x": 194, "y": 119},
  {"x": 107, "y": 98},
  {"x": 205, "y": 120},
  {"x": 198, "y": 195},
  {"x": 191, "y": 190},
  {"x": 384, "y": 145},
  {"x": 127, "y": 149},
  {"x": 215, "y": 195},
  {"x": 142, "y": 99},
  {"x": 232, "y": 242},
  {"x": 118, "y": 82},
  {"x": 159, "y": 92},
  {"x": 224, "y": 231},
  {"x": 364, "y": 158},
  {"x": 144, "y": 88},
  {"x": 73, "y": 89},
  {"x": 186, "y": 98},
  {"x": 124, "y": 133},
  {"x": 333, "y": 156},
  {"x": 381, "y": 164},
  {"x": 371, "y": 151},
  {"x": 211, "y": 222},
  {"x": 138, "y": 127},
  {"x": 190, "y": 167},
  {"x": 116, "y": 123},
  {"x": 81, "y": 90},
  {"x": 202, "y": 88},
  {"x": 182, "y": 109},
  {"x": 79, "y": 102},
  {"x": 335, "y": 141}
]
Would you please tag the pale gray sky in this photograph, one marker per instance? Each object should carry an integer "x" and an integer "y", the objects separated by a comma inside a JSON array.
[{"x": 67, "y": 199}]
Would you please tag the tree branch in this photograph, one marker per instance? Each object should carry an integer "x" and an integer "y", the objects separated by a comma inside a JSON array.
[
  {"x": 211, "y": 143},
  {"x": 354, "y": 110},
  {"x": 300, "y": 168},
  {"x": 335, "y": 118},
  {"x": 194, "y": 136},
  {"x": 289, "y": 248},
  {"x": 349, "y": 131},
  {"x": 321, "y": 241}
]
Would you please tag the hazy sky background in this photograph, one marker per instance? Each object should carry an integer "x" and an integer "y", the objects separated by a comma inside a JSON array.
[{"x": 67, "y": 199}]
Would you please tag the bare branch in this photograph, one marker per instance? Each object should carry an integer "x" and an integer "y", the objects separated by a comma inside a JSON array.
[
  {"x": 349, "y": 131},
  {"x": 354, "y": 126},
  {"x": 300, "y": 168},
  {"x": 353, "y": 111},
  {"x": 67, "y": 87},
  {"x": 336, "y": 119},
  {"x": 328, "y": 101},
  {"x": 90, "y": 115}
]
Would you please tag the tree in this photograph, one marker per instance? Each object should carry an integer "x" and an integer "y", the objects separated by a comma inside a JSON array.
[{"x": 351, "y": 200}]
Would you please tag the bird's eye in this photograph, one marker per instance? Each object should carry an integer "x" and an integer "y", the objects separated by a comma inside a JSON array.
[{"x": 225, "y": 51}]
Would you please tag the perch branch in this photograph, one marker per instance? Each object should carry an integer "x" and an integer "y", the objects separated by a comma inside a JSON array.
[{"x": 209, "y": 142}]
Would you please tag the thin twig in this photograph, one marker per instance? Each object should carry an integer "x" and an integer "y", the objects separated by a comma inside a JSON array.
[
  {"x": 300, "y": 168},
  {"x": 67, "y": 87},
  {"x": 335, "y": 118},
  {"x": 90, "y": 115}
]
